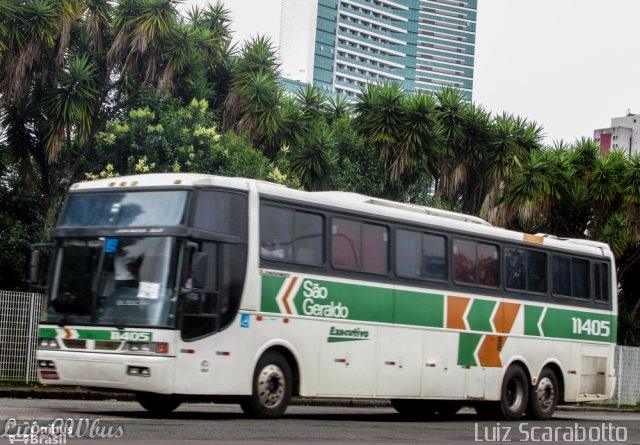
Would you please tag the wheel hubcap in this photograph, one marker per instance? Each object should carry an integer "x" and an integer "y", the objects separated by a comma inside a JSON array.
[
  {"x": 271, "y": 385},
  {"x": 545, "y": 393}
]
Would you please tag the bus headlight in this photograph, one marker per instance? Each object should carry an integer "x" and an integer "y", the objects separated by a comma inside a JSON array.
[
  {"x": 147, "y": 347},
  {"x": 48, "y": 343}
]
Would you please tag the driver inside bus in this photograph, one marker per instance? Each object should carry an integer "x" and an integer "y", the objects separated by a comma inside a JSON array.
[{"x": 127, "y": 270}]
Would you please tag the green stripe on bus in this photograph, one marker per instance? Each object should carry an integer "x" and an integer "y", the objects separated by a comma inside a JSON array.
[
  {"x": 531, "y": 319},
  {"x": 467, "y": 345},
  {"x": 346, "y": 301},
  {"x": 47, "y": 332},
  {"x": 270, "y": 287},
  {"x": 479, "y": 317},
  {"x": 90, "y": 334},
  {"x": 579, "y": 325},
  {"x": 419, "y": 309}
]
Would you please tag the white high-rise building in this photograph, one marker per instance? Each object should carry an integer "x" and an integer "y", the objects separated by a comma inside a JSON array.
[{"x": 624, "y": 134}]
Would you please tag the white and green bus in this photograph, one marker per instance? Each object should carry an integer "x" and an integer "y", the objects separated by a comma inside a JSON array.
[{"x": 177, "y": 286}]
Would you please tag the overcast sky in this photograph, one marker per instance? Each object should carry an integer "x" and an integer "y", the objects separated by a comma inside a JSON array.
[{"x": 570, "y": 65}]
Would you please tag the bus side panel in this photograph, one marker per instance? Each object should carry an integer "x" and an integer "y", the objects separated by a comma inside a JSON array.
[
  {"x": 442, "y": 377},
  {"x": 399, "y": 361},
  {"x": 347, "y": 363}
]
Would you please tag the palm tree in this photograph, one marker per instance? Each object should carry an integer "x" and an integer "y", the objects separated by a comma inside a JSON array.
[
  {"x": 631, "y": 194},
  {"x": 252, "y": 105},
  {"x": 312, "y": 160},
  {"x": 379, "y": 114}
]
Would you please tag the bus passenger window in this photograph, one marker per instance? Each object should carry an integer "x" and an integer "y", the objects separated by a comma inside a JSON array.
[
  {"x": 601, "y": 282},
  {"x": 561, "y": 268},
  {"x": 308, "y": 239},
  {"x": 537, "y": 272},
  {"x": 515, "y": 269},
  {"x": 276, "y": 230},
  {"x": 408, "y": 253},
  {"x": 580, "y": 278},
  {"x": 375, "y": 254},
  {"x": 464, "y": 261},
  {"x": 488, "y": 273},
  {"x": 434, "y": 257},
  {"x": 345, "y": 243}
]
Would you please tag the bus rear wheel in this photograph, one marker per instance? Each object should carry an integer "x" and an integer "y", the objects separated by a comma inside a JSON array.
[
  {"x": 158, "y": 403},
  {"x": 544, "y": 396},
  {"x": 514, "y": 396},
  {"x": 271, "y": 388}
]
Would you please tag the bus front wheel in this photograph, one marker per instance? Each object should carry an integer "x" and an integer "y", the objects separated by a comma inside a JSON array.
[
  {"x": 158, "y": 403},
  {"x": 544, "y": 396},
  {"x": 271, "y": 388}
]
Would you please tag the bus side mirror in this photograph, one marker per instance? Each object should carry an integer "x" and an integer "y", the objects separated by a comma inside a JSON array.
[
  {"x": 33, "y": 267},
  {"x": 199, "y": 269},
  {"x": 35, "y": 278}
]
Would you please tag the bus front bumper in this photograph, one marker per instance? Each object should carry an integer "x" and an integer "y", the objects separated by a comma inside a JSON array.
[{"x": 114, "y": 371}]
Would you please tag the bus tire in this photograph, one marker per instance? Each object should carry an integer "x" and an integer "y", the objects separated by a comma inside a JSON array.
[
  {"x": 544, "y": 396},
  {"x": 158, "y": 403},
  {"x": 514, "y": 394},
  {"x": 271, "y": 387}
]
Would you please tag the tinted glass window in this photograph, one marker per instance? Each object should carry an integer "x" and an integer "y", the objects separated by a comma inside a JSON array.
[
  {"x": 516, "y": 269},
  {"x": 525, "y": 270},
  {"x": 537, "y": 272},
  {"x": 408, "y": 253},
  {"x": 421, "y": 255},
  {"x": 308, "y": 240},
  {"x": 346, "y": 243},
  {"x": 221, "y": 212},
  {"x": 130, "y": 209},
  {"x": 464, "y": 261},
  {"x": 601, "y": 281},
  {"x": 488, "y": 274},
  {"x": 561, "y": 269},
  {"x": 356, "y": 245},
  {"x": 291, "y": 235},
  {"x": 580, "y": 278},
  {"x": 276, "y": 232},
  {"x": 434, "y": 257},
  {"x": 375, "y": 254}
]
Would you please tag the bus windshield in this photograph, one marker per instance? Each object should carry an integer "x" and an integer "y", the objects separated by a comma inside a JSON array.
[
  {"x": 123, "y": 209},
  {"x": 115, "y": 281}
]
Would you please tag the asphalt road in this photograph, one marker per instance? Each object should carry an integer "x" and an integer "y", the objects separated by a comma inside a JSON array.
[{"x": 110, "y": 422}]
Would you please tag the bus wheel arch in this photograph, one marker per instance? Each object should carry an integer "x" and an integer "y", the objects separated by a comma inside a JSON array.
[
  {"x": 272, "y": 385},
  {"x": 546, "y": 393}
]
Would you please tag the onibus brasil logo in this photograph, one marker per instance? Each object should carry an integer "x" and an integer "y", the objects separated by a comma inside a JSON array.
[{"x": 306, "y": 297}]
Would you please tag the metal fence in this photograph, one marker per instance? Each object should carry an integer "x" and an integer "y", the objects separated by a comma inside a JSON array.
[
  {"x": 19, "y": 316},
  {"x": 20, "y": 313},
  {"x": 628, "y": 372}
]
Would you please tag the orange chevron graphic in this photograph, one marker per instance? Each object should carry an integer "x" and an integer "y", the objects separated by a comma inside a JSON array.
[
  {"x": 67, "y": 333},
  {"x": 456, "y": 306},
  {"x": 505, "y": 317},
  {"x": 489, "y": 352},
  {"x": 287, "y": 294}
]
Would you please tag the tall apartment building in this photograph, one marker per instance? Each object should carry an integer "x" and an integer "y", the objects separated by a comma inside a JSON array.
[
  {"x": 622, "y": 135},
  {"x": 341, "y": 45}
]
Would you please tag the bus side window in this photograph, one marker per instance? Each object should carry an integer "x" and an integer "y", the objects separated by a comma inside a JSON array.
[{"x": 601, "y": 282}]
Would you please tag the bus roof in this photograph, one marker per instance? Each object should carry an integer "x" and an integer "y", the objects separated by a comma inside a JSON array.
[{"x": 410, "y": 213}]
